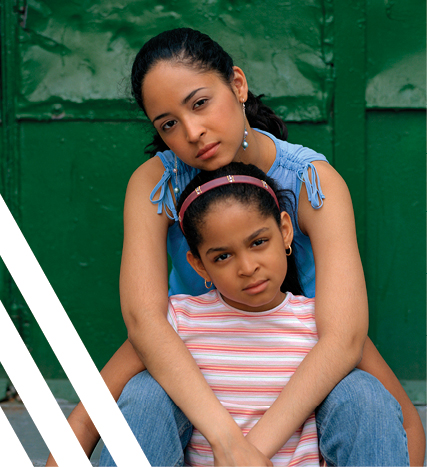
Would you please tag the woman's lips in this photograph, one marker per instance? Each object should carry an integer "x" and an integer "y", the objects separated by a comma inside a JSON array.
[{"x": 207, "y": 151}]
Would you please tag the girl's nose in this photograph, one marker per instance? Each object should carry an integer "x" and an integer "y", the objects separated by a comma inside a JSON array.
[{"x": 247, "y": 266}]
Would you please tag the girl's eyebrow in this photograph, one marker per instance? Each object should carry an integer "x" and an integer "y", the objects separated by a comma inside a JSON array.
[
  {"x": 255, "y": 234},
  {"x": 246, "y": 240},
  {"x": 184, "y": 101}
]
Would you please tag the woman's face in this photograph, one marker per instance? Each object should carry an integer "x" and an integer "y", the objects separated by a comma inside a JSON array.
[{"x": 197, "y": 114}]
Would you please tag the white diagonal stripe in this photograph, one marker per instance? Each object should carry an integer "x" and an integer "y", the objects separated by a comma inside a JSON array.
[
  {"x": 36, "y": 396},
  {"x": 11, "y": 453},
  {"x": 66, "y": 344}
]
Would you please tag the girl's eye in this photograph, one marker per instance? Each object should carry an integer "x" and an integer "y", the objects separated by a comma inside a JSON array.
[
  {"x": 222, "y": 257},
  {"x": 259, "y": 242},
  {"x": 200, "y": 103},
  {"x": 168, "y": 125}
]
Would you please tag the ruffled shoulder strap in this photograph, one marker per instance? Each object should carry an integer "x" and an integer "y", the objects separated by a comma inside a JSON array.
[
  {"x": 309, "y": 176},
  {"x": 165, "y": 199}
]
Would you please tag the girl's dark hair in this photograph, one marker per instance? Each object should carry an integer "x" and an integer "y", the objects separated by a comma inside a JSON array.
[
  {"x": 244, "y": 193},
  {"x": 195, "y": 49}
]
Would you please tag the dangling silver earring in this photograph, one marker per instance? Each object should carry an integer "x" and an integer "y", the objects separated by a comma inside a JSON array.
[
  {"x": 175, "y": 171},
  {"x": 245, "y": 144}
]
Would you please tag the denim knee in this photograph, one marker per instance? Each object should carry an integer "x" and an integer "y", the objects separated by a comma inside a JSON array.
[
  {"x": 361, "y": 423},
  {"x": 160, "y": 427},
  {"x": 361, "y": 393}
]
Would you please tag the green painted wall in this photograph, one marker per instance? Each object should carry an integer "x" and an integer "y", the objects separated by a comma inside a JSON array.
[{"x": 348, "y": 77}]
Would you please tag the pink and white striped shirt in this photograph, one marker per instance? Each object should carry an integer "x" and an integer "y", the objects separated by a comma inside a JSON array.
[{"x": 247, "y": 358}]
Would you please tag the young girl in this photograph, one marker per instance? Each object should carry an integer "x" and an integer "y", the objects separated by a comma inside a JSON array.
[
  {"x": 205, "y": 118},
  {"x": 249, "y": 334}
]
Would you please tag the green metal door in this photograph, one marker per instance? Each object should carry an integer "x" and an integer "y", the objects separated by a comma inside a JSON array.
[{"x": 348, "y": 78}]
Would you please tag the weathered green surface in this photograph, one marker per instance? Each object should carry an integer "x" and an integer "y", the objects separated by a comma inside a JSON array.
[
  {"x": 70, "y": 141},
  {"x": 396, "y": 59},
  {"x": 75, "y": 54},
  {"x": 73, "y": 221},
  {"x": 396, "y": 238}
]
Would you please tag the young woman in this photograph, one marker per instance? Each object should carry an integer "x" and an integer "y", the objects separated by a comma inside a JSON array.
[{"x": 193, "y": 94}]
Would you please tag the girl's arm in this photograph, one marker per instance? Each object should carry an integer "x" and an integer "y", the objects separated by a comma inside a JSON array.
[
  {"x": 341, "y": 313},
  {"x": 144, "y": 301},
  {"x": 124, "y": 364},
  {"x": 373, "y": 363}
]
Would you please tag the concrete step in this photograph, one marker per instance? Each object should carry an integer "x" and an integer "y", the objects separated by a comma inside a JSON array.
[{"x": 35, "y": 446}]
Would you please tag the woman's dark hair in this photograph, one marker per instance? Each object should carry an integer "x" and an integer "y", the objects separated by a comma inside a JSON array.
[
  {"x": 195, "y": 49},
  {"x": 243, "y": 193}
]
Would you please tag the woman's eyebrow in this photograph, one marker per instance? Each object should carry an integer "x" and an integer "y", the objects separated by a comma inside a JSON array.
[
  {"x": 185, "y": 100},
  {"x": 159, "y": 116},
  {"x": 191, "y": 95}
]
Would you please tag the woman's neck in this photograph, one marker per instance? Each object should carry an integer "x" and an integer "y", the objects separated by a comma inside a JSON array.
[{"x": 261, "y": 151}]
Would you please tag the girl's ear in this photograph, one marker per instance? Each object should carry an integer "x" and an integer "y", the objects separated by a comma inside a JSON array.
[
  {"x": 239, "y": 84},
  {"x": 286, "y": 228},
  {"x": 197, "y": 265}
]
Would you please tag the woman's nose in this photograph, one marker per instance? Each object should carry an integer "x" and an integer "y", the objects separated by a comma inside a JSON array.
[{"x": 194, "y": 130}]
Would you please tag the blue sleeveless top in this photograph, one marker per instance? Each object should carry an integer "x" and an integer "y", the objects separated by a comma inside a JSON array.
[{"x": 290, "y": 169}]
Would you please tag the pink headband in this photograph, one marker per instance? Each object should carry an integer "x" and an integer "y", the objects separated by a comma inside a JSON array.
[{"x": 220, "y": 182}]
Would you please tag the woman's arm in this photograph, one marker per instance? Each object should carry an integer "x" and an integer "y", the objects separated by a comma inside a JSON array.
[
  {"x": 122, "y": 366},
  {"x": 341, "y": 313},
  {"x": 373, "y": 363},
  {"x": 144, "y": 301}
]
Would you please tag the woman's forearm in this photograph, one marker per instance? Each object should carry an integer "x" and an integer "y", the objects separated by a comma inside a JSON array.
[
  {"x": 144, "y": 303},
  {"x": 174, "y": 368},
  {"x": 323, "y": 367},
  {"x": 85, "y": 432}
]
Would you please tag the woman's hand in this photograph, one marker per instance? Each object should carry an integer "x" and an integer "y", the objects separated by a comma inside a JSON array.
[{"x": 237, "y": 451}]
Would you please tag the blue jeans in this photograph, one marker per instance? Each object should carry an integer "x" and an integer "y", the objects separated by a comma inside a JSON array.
[{"x": 358, "y": 424}]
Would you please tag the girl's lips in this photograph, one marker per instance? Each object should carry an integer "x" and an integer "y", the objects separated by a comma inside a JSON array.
[
  {"x": 256, "y": 287},
  {"x": 207, "y": 151}
]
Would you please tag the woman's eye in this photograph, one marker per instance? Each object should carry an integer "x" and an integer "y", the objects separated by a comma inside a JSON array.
[
  {"x": 168, "y": 125},
  {"x": 200, "y": 103},
  {"x": 222, "y": 257}
]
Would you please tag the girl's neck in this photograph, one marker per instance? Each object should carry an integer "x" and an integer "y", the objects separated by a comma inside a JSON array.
[{"x": 261, "y": 151}]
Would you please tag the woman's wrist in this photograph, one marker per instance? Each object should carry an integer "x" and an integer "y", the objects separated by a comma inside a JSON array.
[{"x": 224, "y": 434}]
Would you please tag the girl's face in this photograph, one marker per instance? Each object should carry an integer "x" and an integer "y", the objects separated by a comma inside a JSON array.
[
  {"x": 244, "y": 255},
  {"x": 197, "y": 114}
]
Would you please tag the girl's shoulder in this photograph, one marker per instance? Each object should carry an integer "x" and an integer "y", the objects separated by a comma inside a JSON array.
[
  {"x": 199, "y": 301},
  {"x": 303, "y": 308}
]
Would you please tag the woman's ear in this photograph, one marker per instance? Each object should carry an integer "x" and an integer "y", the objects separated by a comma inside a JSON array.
[
  {"x": 286, "y": 228},
  {"x": 197, "y": 265},
  {"x": 239, "y": 84}
]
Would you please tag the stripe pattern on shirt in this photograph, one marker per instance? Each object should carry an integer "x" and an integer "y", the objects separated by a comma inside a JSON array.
[{"x": 247, "y": 358}]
